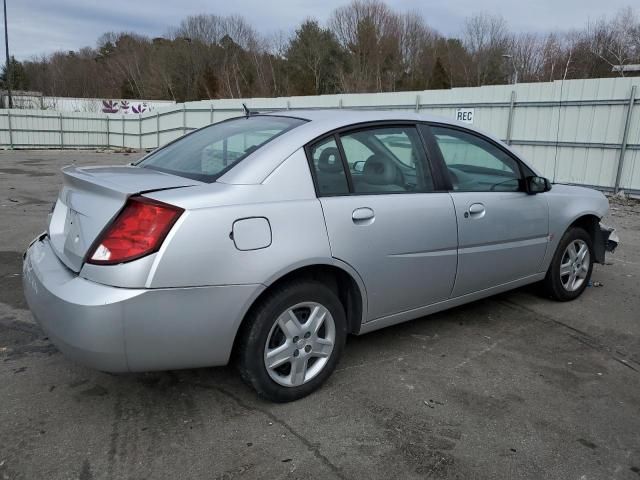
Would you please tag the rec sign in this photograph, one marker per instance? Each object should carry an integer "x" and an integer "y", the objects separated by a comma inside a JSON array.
[{"x": 465, "y": 115}]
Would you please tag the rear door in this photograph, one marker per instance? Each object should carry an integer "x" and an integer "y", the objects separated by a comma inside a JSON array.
[
  {"x": 385, "y": 217},
  {"x": 502, "y": 230}
]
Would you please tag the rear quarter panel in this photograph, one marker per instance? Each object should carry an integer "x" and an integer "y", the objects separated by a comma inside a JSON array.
[{"x": 201, "y": 251}]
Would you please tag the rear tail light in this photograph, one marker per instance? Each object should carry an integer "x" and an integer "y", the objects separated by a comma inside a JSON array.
[{"x": 138, "y": 230}]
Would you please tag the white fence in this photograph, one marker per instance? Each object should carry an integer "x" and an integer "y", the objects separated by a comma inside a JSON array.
[
  {"x": 36, "y": 101},
  {"x": 577, "y": 131}
]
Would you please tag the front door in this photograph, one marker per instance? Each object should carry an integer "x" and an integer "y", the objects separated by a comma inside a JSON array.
[
  {"x": 502, "y": 230},
  {"x": 384, "y": 218}
]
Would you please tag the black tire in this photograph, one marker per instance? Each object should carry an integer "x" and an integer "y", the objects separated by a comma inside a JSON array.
[
  {"x": 258, "y": 325},
  {"x": 552, "y": 283}
]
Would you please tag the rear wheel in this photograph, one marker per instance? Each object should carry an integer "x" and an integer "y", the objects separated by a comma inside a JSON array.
[
  {"x": 571, "y": 267},
  {"x": 292, "y": 340}
]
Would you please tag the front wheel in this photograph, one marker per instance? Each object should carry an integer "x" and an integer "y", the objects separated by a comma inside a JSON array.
[
  {"x": 571, "y": 267},
  {"x": 292, "y": 340}
]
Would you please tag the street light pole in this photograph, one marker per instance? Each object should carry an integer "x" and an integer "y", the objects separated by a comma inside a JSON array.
[
  {"x": 6, "y": 46},
  {"x": 515, "y": 70}
]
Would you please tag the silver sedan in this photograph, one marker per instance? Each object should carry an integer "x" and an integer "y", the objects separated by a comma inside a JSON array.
[{"x": 267, "y": 239}]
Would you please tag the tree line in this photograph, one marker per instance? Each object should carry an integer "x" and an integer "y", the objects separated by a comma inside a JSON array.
[{"x": 365, "y": 47}]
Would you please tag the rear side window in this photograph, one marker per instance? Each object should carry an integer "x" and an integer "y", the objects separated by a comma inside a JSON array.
[
  {"x": 330, "y": 175},
  {"x": 209, "y": 152},
  {"x": 387, "y": 160},
  {"x": 476, "y": 165}
]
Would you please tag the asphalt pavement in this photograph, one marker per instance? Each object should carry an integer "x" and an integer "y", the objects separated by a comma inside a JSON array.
[{"x": 515, "y": 386}]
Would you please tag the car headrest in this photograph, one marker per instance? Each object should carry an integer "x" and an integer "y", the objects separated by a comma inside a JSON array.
[
  {"x": 329, "y": 160},
  {"x": 379, "y": 170}
]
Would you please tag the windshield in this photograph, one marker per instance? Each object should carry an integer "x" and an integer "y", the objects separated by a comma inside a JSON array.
[{"x": 209, "y": 152}]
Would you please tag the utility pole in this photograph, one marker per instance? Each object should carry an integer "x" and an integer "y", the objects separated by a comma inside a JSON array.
[{"x": 6, "y": 46}]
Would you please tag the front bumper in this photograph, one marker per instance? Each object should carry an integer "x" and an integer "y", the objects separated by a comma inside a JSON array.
[
  {"x": 606, "y": 240},
  {"x": 121, "y": 329}
]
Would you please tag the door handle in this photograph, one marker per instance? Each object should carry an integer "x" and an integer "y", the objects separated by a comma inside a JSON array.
[
  {"x": 363, "y": 216},
  {"x": 476, "y": 210}
]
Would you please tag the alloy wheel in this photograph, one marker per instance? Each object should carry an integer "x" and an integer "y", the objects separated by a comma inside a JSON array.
[
  {"x": 575, "y": 265},
  {"x": 299, "y": 344}
]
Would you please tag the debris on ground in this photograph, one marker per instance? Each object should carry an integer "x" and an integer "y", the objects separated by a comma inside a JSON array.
[
  {"x": 622, "y": 199},
  {"x": 432, "y": 403}
]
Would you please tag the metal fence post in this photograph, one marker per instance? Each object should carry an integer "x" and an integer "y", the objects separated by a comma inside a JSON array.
[
  {"x": 108, "y": 134},
  {"x": 61, "y": 132},
  {"x": 340, "y": 103},
  {"x": 157, "y": 129},
  {"x": 140, "y": 130},
  {"x": 623, "y": 142},
  {"x": 184, "y": 119},
  {"x": 512, "y": 107},
  {"x": 10, "y": 129},
  {"x": 211, "y": 114},
  {"x": 417, "y": 103},
  {"x": 123, "y": 130}
]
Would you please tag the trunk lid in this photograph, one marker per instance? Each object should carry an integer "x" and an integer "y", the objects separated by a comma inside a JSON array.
[{"x": 91, "y": 197}]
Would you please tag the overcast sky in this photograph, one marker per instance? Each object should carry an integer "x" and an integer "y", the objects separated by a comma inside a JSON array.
[{"x": 44, "y": 26}]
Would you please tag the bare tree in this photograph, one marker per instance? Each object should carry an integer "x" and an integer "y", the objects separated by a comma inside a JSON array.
[
  {"x": 365, "y": 47},
  {"x": 551, "y": 52},
  {"x": 371, "y": 33},
  {"x": 207, "y": 28},
  {"x": 527, "y": 51},
  {"x": 125, "y": 56},
  {"x": 486, "y": 37},
  {"x": 276, "y": 46},
  {"x": 418, "y": 47},
  {"x": 211, "y": 29},
  {"x": 615, "y": 41}
]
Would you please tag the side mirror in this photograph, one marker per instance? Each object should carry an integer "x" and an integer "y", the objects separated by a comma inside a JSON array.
[
  {"x": 358, "y": 166},
  {"x": 537, "y": 185}
]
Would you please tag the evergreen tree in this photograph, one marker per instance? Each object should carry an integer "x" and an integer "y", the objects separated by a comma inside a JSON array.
[
  {"x": 313, "y": 57},
  {"x": 439, "y": 77},
  {"x": 19, "y": 79}
]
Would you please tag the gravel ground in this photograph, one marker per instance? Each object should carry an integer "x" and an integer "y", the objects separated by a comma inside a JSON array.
[{"x": 515, "y": 386}]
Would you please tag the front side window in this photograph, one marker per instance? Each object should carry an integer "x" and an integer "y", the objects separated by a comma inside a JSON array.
[
  {"x": 387, "y": 160},
  {"x": 474, "y": 164},
  {"x": 209, "y": 152}
]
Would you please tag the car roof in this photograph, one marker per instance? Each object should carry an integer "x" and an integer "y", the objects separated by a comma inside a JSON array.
[
  {"x": 256, "y": 167},
  {"x": 345, "y": 116}
]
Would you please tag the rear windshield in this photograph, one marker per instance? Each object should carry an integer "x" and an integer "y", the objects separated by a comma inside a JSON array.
[{"x": 209, "y": 152}]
